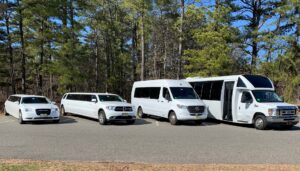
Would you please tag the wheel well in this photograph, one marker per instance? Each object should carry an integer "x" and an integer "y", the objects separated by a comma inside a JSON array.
[
  {"x": 170, "y": 112},
  {"x": 100, "y": 110},
  {"x": 255, "y": 115}
]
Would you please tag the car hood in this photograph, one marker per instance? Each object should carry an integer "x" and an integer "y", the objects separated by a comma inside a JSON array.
[
  {"x": 115, "y": 104},
  {"x": 278, "y": 105},
  {"x": 39, "y": 106},
  {"x": 189, "y": 102}
]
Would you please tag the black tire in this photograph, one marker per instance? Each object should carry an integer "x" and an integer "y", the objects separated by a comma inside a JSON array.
[
  {"x": 198, "y": 122},
  {"x": 55, "y": 121},
  {"x": 173, "y": 118},
  {"x": 260, "y": 122},
  {"x": 102, "y": 118},
  {"x": 5, "y": 113},
  {"x": 62, "y": 111},
  {"x": 130, "y": 122},
  {"x": 140, "y": 113},
  {"x": 21, "y": 121}
]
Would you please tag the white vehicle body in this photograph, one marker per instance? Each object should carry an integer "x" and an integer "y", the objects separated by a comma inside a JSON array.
[
  {"x": 150, "y": 97},
  {"x": 21, "y": 107},
  {"x": 241, "y": 98},
  {"x": 90, "y": 105}
]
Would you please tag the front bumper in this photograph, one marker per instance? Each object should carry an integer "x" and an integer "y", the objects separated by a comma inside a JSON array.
[
  {"x": 186, "y": 115},
  {"x": 283, "y": 120},
  {"x": 120, "y": 116},
  {"x": 32, "y": 116}
]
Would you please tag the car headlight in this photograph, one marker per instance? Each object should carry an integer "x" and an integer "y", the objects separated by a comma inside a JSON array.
[
  {"x": 55, "y": 109},
  {"x": 110, "y": 107},
  {"x": 181, "y": 106},
  {"x": 28, "y": 109},
  {"x": 272, "y": 112}
]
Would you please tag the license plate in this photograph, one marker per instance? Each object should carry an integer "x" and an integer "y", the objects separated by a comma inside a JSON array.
[
  {"x": 197, "y": 116},
  {"x": 43, "y": 114},
  {"x": 124, "y": 114}
]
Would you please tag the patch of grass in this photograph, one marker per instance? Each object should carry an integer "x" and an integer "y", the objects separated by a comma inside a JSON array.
[{"x": 27, "y": 165}]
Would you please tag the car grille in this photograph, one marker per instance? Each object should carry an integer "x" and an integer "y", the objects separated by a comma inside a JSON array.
[
  {"x": 285, "y": 112},
  {"x": 123, "y": 108},
  {"x": 196, "y": 109},
  {"x": 43, "y": 111}
]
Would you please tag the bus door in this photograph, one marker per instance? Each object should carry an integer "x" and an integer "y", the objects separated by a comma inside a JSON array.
[{"x": 227, "y": 103}]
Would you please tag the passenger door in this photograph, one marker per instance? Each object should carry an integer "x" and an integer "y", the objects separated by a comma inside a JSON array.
[
  {"x": 165, "y": 102},
  {"x": 91, "y": 106},
  {"x": 245, "y": 107},
  {"x": 15, "y": 106}
]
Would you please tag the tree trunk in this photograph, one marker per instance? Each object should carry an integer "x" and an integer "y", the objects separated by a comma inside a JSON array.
[
  {"x": 179, "y": 74},
  {"x": 10, "y": 51},
  {"x": 23, "y": 56},
  {"x": 142, "y": 49}
]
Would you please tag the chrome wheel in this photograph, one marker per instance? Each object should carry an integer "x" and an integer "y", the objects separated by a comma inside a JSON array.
[
  {"x": 102, "y": 118},
  {"x": 173, "y": 119}
]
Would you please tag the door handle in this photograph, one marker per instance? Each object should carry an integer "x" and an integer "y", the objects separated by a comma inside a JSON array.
[{"x": 239, "y": 107}]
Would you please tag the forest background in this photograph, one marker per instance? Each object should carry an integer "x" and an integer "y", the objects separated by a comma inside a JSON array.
[{"x": 50, "y": 47}]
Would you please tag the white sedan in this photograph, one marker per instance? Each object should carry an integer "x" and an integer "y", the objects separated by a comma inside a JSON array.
[{"x": 31, "y": 108}]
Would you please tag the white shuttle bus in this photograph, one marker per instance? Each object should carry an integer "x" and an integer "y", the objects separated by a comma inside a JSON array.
[
  {"x": 172, "y": 99},
  {"x": 249, "y": 99}
]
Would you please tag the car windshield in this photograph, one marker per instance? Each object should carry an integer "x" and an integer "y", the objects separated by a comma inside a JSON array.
[
  {"x": 265, "y": 96},
  {"x": 105, "y": 98},
  {"x": 33, "y": 100},
  {"x": 183, "y": 93}
]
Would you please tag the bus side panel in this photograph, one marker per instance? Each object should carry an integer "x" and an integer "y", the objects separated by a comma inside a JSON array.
[{"x": 214, "y": 109}]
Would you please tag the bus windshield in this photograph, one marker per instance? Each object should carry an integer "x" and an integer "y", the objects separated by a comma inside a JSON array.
[
  {"x": 32, "y": 100},
  {"x": 183, "y": 93},
  {"x": 265, "y": 96},
  {"x": 110, "y": 98}
]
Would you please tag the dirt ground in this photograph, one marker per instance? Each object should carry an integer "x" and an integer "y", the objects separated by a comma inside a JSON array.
[{"x": 68, "y": 165}]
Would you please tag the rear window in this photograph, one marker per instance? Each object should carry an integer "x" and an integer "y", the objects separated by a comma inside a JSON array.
[{"x": 259, "y": 81}]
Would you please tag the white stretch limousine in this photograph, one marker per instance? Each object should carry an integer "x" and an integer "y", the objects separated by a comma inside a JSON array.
[
  {"x": 249, "y": 99},
  {"x": 31, "y": 108},
  {"x": 102, "y": 106},
  {"x": 172, "y": 99}
]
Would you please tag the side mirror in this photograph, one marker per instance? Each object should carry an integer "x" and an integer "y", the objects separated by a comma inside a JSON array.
[
  {"x": 125, "y": 101},
  {"x": 94, "y": 100},
  {"x": 282, "y": 98},
  {"x": 53, "y": 102}
]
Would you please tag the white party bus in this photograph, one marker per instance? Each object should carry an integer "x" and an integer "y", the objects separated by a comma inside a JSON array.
[
  {"x": 105, "y": 107},
  {"x": 249, "y": 99},
  {"x": 31, "y": 108},
  {"x": 172, "y": 99}
]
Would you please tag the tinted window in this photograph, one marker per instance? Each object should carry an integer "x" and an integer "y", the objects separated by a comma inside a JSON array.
[
  {"x": 216, "y": 89},
  {"x": 166, "y": 94},
  {"x": 104, "y": 98},
  {"x": 183, "y": 93},
  {"x": 198, "y": 88},
  {"x": 31, "y": 100},
  {"x": 80, "y": 97},
  {"x": 264, "y": 96},
  {"x": 206, "y": 90},
  {"x": 259, "y": 81},
  {"x": 240, "y": 83},
  {"x": 246, "y": 97},
  {"x": 147, "y": 92}
]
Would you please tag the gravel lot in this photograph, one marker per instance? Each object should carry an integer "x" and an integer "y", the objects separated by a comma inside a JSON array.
[{"x": 147, "y": 141}]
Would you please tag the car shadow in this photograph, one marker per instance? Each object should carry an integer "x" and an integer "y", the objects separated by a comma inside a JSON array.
[
  {"x": 119, "y": 123},
  {"x": 63, "y": 120},
  {"x": 270, "y": 127},
  {"x": 206, "y": 122}
]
